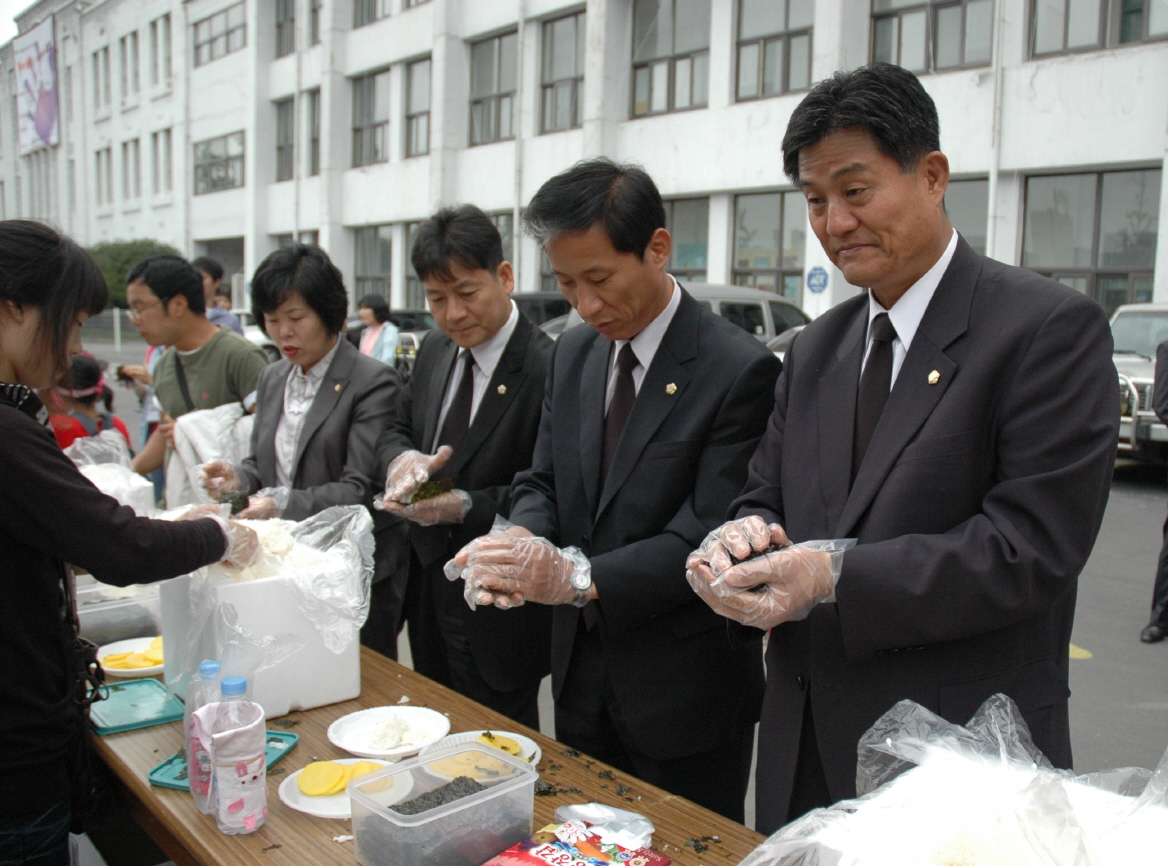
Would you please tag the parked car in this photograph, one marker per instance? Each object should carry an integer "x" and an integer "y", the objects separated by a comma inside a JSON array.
[
  {"x": 780, "y": 344},
  {"x": 763, "y": 314},
  {"x": 256, "y": 334},
  {"x": 541, "y": 307},
  {"x": 1137, "y": 330}
]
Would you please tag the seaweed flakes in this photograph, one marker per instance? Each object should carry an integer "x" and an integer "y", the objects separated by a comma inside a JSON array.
[
  {"x": 430, "y": 489},
  {"x": 456, "y": 789},
  {"x": 622, "y": 790},
  {"x": 271, "y": 847},
  {"x": 237, "y": 499},
  {"x": 277, "y": 771},
  {"x": 545, "y": 789},
  {"x": 606, "y": 774},
  {"x": 553, "y": 767},
  {"x": 286, "y": 723},
  {"x": 571, "y": 753}
]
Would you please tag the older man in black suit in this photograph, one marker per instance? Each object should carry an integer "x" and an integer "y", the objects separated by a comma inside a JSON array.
[
  {"x": 468, "y": 416},
  {"x": 959, "y": 419},
  {"x": 651, "y": 411}
]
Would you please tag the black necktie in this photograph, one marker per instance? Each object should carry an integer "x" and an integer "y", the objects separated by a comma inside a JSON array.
[
  {"x": 457, "y": 420},
  {"x": 619, "y": 407},
  {"x": 875, "y": 383}
]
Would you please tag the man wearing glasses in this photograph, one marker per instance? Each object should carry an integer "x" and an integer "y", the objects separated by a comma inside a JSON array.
[{"x": 206, "y": 365}]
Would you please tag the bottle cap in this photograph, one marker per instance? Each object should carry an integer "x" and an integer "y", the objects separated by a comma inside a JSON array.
[
  {"x": 209, "y": 668},
  {"x": 233, "y": 687}
]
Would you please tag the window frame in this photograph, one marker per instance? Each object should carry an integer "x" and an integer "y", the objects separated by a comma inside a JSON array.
[
  {"x": 285, "y": 27},
  {"x": 495, "y": 99},
  {"x": 779, "y": 271},
  {"x": 699, "y": 275},
  {"x": 372, "y": 284},
  {"x": 1094, "y": 272},
  {"x": 285, "y": 139},
  {"x": 762, "y": 41},
  {"x": 204, "y": 181},
  {"x": 931, "y": 7},
  {"x": 366, "y": 12},
  {"x": 162, "y": 167},
  {"x": 132, "y": 170},
  {"x": 550, "y": 85},
  {"x": 1109, "y": 23},
  {"x": 370, "y": 137},
  {"x": 313, "y": 121},
  {"x": 415, "y": 120},
  {"x": 415, "y": 291},
  {"x": 213, "y": 38},
  {"x": 671, "y": 77},
  {"x": 102, "y": 86},
  {"x": 104, "y": 176},
  {"x": 314, "y": 7}
]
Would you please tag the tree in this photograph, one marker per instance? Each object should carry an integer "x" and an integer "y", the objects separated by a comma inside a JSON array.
[{"x": 116, "y": 258}]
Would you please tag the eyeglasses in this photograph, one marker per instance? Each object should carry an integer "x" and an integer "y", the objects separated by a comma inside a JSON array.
[{"x": 135, "y": 314}]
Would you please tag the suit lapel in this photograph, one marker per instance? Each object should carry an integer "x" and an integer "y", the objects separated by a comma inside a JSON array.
[
  {"x": 913, "y": 397},
  {"x": 837, "y": 417},
  {"x": 509, "y": 375},
  {"x": 436, "y": 391},
  {"x": 654, "y": 402},
  {"x": 593, "y": 382},
  {"x": 268, "y": 423},
  {"x": 335, "y": 381}
]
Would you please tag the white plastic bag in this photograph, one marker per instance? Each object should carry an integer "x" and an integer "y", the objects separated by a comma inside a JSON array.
[
  {"x": 222, "y": 433},
  {"x": 123, "y": 484},
  {"x": 107, "y": 446},
  {"x": 934, "y": 793}
]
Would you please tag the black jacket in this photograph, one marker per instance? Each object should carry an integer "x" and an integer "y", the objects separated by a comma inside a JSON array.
[
  {"x": 685, "y": 678},
  {"x": 509, "y": 647},
  {"x": 976, "y": 507},
  {"x": 51, "y": 515}
]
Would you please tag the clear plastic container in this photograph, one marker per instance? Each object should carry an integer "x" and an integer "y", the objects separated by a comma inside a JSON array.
[
  {"x": 201, "y": 691},
  {"x": 466, "y": 832}
]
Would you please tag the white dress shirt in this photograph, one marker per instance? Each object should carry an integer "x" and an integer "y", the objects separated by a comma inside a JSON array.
[
  {"x": 645, "y": 345},
  {"x": 486, "y": 358},
  {"x": 906, "y": 313},
  {"x": 299, "y": 392}
]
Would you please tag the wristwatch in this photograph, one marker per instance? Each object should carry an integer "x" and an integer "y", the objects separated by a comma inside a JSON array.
[{"x": 581, "y": 579}]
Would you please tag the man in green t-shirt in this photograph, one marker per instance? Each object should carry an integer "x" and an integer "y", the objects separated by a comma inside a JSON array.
[{"x": 206, "y": 365}]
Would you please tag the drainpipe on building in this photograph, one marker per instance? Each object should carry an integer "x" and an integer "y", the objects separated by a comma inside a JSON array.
[
  {"x": 297, "y": 152},
  {"x": 996, "y": 133},
  {"x": 520, "y": 101},
  {"x": 188, "y": 159}
]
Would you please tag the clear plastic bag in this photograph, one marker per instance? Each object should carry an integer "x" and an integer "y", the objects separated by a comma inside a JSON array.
[
  {"x": 938, "y": 794},
  {"x": 222, "y": 433},
  {"x": 123, "y": 484},
  {"x": 107, "y": 446},
  {"x": 629, "y": 830}
]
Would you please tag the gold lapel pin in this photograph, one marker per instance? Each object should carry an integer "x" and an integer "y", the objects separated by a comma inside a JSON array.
[
  {"x": 934, "y": 378},
  {"x": 337, "y": 387},
  {"x": 502, "y": 389},
  {"x": 670, "y": 389}
]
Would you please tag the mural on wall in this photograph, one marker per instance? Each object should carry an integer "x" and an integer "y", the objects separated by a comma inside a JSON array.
[{"x": 36, "y": 87}]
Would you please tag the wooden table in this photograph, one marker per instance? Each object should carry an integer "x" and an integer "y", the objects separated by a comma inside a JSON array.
[{"x": 291, "y": 837}]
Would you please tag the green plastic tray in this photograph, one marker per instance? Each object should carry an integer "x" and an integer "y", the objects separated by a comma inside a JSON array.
[
  {"x": 133, "y": 704},
  {"x": 172, "y": 773}
]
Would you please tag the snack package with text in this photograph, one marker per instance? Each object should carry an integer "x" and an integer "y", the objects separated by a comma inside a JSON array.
[{"x": 573, "y": 844}]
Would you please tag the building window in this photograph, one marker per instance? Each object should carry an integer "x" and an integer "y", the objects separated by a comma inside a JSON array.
[
  {"x": 1059, "y": 26},
  {"x": 128, "y": 55},
  {"x": 285, "y": 27},
  {"x": 505, "y": 223},
  {"x": 563, "y": 73},
  {"x": 282, "y": 241},
  {"x": 371, "y": 118},
  {"x": 313, "y": 120},
  {"x": 1095, "y": 232},
  {"x": 131, "y": 170},
  {"x": 774, "y": 47},
  {"x": 415, "y": 291},
  {"x": 933, "y": 35},
  {"x": 101, "y": 78},
  {"x": 220, "y": 34},
  {"x": 418, "y": 107},
  {"x": 368, "y": 11},
  {"x": 68, "y": 97},
  {"x": 769, "y": 234},
  {"x": 311, "y": 236},
  {"x": 162, "y": 161},
  {"x": 410, "y": 4},
  {"x": 372, "y": 260},
  {"x": 671, "y": 57},
  {"x": 492, "y": 88},
  {"x": 967, "y": 203},
  {"x": 314, "y": 22},
  {"x": 160, "y": 64},
  {"x": 547, "y": 277},
  {"x": 104, "y": 176},
  {"x": 688, "y": 221},
  {"x": 219, "y": 163},
  {"x": 285, "y": 138}
]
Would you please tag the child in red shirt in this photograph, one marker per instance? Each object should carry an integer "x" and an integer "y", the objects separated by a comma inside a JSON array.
[{"x": 79, "y": 399}]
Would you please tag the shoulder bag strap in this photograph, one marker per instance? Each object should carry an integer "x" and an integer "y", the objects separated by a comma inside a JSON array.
[{"x": 181, "y": 375}]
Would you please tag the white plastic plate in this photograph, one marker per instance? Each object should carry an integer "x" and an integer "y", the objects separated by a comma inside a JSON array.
[
  {"x": 133, "y": 645},
  {"x": 338, "y": 805},
  {"x": 356, "y": 732}
]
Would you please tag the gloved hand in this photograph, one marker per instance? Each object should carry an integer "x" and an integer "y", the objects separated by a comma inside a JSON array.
[
  {"x": 265, "y": 504},
  {"x": 738, "y": 540},
  {"x": 218, "y": 477},
  {"x": 473, "y": 592},
  {"x": 450, "y": 507},
  {"x": 409, "y": 471},
  {"x": 243, "y": 544},
  {"x": 523, "y": 568},
  {"x": 781, "y": 586}
]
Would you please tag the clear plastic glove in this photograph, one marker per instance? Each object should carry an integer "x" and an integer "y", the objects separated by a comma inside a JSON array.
[
  {"x": 218, "y": 477},
  {"x": 451, "y": 507},
  {"x": 510, "y": 566},
  {"x": 475, "y": 594},
  {"x": 781, "y": 586},
  {"x": 409, "y": 471},
  {"x": 737, "y": 540},
  {"x": 265, "y": 504},
  {"x": 243, "y": 544}
]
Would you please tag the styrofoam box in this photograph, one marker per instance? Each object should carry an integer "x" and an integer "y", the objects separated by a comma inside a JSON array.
[{"x": 313, "y": 676}]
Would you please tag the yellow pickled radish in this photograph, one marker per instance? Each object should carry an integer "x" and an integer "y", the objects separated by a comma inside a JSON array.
[
  {"x": 114, "y": 657},
  {"x": 319, "y": 777},
  {"x": 505, "y": 744},
  {"x": 156, "y": 644},
  {"x": 154, "y": 656},
  {"x": 362, "y": 767},
  {"x": 343, "y": 782}
]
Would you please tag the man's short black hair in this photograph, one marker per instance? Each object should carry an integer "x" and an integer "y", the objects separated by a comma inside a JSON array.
[
  {"x": 459, "y": 235},
  {"x": 209, "y": 266},
  {"x": 620, "y": 197},
  {"x": 308, "y": 271},
  {"x": 884, "y": 99},
  {"x": 169, "y": 276}
]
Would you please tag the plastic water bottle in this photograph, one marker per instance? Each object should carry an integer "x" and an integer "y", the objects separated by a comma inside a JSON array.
[
  {"x": 240, "y": 775},
  {"x": 200, "y": 692},
  {"x": 233, "y": 689}
]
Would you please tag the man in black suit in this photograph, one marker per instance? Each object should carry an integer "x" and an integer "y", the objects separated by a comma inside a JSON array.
[
  {"x": 651, "y": 411},
  {"x": 468, "y": 416},
  {"x": 959, "y": 420},
  {"x": 1157, "y": 628}
]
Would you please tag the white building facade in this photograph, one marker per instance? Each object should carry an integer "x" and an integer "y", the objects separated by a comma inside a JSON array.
[{"x": 228, "y": 127}]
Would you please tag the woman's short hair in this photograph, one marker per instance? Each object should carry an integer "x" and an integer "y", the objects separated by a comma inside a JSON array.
[
  {"x": 42, "y": 268},
  {"x": 378, "y": 305},
  {"x": 308, "y": 271}
]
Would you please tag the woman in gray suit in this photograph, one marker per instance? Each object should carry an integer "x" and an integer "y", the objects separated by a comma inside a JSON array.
[{"x": 319, "y": 411}]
